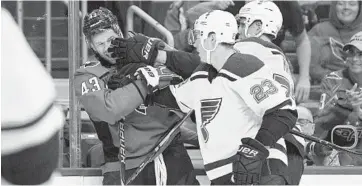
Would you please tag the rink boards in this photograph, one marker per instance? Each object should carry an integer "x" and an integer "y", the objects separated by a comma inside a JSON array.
[{"x": 312, "y": 175}]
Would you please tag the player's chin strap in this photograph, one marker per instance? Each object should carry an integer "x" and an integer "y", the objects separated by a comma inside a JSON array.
[
  {"x": 160, "y": 170},
  {"x": 208, "y": 52}
]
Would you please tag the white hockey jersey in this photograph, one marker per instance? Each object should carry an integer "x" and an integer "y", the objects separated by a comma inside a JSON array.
[
  {"x": 230, "y": 108},
  {"x": 273, "y": 57}
]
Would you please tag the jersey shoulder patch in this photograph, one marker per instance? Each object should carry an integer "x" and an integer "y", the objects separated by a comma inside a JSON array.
[
  {"x": 93, "y": 67},
  {"x": 243, "y": 65}
]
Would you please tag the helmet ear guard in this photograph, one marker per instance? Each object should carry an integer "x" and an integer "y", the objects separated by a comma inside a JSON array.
[{"x": 220, "y": 23}]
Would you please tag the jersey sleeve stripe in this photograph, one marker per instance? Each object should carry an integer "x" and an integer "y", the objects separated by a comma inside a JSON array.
[
  {"x": 226, "y": 76},
  {"x": 200, "y": 76},
  {"x": 219, "y": 163},
  {"x": 280, "y": 147}
]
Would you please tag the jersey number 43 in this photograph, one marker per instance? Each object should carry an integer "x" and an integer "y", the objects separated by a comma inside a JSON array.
[{"x": 93, "y": 85}]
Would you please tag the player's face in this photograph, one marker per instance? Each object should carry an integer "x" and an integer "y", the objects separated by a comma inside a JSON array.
[
  {"x": 347, "y": 11},
  {"x": 253, "y": 29},
  {"x": 354, "y": 60},
  {"x": 101, "y": 41}
]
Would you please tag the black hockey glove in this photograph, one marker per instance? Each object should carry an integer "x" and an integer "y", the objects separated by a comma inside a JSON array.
[
  {"x": 249, "y": 161},
  {"x": 123, "y": 76},
  {"x": 137, "y": 49}
]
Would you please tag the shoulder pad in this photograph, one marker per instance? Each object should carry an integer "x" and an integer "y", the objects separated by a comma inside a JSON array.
[
  {"x": 242, "y": 65},
  {"x": 93, "y": 67},
  {"x": 266, "y": 44}
]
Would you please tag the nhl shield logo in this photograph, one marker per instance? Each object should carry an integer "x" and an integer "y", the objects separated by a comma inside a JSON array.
[{"x": 209, "y": 109}]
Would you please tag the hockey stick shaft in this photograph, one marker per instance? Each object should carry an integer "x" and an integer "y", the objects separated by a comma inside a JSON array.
[
  {"x": 160, "y": 147},
  {"x": 323, "y": 142},
  {"x": 122, "y": 153}
]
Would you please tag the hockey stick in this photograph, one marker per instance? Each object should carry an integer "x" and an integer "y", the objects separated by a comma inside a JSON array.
[
  {"x": 323, "y": 142},
  {"x": 160, "y": 147},
  {"x": 122, "y": 152}
]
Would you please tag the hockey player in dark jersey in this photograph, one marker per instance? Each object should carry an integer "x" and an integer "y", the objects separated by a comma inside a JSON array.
[
  {"x": 110, "y": 98},
  {"x": 218, "y": 93}
]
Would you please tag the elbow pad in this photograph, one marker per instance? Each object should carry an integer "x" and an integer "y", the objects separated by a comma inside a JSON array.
[{"x": 275, "y": 125}]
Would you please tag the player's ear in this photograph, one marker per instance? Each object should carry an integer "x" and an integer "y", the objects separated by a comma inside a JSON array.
[
  {"x": 212, "y": 39},
  {"x": 212, "y": 36},
  {"x": 258, "y": 26}
]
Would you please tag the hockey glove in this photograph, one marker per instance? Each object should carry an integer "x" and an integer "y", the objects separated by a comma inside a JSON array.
[
  {"x": 249, "y": 161},
  {"x": 137, "y": 49},
  {"x": 157, "y": 78},
  {"x": 117, "y": 81},
  {"x": 123, "y": 75}
]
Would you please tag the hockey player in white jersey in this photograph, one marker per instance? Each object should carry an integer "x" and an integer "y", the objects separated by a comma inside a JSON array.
[
  {"x": 241, "y": 110},
  {"x": 259, "y": 23}
]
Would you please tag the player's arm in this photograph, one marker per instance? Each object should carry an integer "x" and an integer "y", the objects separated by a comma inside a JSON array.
[
  {"x": 176, "y": 96},
  {"x": 182, "y": 63},
  {"x": 132, "y": 50},
  {"x": 103, "y": 104},
  {"x": 165, "y": 98}
]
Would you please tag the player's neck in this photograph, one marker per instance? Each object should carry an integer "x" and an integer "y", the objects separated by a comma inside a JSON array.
[{"x": 220, "y": 56}]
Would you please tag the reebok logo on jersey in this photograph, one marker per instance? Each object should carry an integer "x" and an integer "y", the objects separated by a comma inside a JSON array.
[
  {"x": 146, "y": 49},
  {"x": 209, "y": 109},
  {"x": 249, "y": 153}
]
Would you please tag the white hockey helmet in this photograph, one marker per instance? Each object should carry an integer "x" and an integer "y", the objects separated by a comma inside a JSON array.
[
  {"x": 265, "y": 11},
  {"x": 222, "y": 24}
]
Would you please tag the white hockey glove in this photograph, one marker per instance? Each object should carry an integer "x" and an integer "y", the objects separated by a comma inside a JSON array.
[
  {"x": 157, "y": 78},
  {"x": 150, "y": 76}
]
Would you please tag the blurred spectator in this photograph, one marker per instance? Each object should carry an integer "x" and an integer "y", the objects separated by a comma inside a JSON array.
[
  {"x": 182, "y": 15},
  {"x": 309, "y": 15},
  {"x": 30, "y": 121},
  {"x": 328, "y": 38},
  {"x": 156, "y": 9},
  {"x": 342, "y": 98},
  {"x": 293, "y": 22}
]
